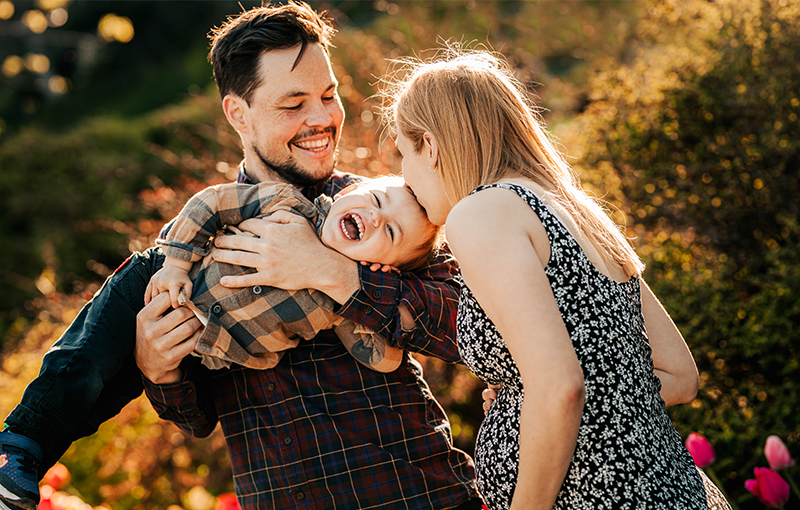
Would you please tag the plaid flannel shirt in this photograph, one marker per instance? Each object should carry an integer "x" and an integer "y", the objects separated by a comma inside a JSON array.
[
  {"x": 254, "y": 325},
  {"x": 320, "y": 430}
]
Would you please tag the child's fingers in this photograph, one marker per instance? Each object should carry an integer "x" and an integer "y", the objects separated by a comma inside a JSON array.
[
  {"x": 174, "y": 291},
  {"x": 147, "y": 291}
]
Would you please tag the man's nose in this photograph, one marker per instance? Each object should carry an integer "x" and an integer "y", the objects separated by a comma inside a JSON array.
[{"x": 320, "y": 115}]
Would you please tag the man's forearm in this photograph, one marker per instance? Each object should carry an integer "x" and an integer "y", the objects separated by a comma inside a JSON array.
[{"x": 339, "y": 278}]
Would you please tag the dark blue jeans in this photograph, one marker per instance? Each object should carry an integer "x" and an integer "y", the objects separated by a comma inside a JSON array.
[{"x": 90, "y": 373}]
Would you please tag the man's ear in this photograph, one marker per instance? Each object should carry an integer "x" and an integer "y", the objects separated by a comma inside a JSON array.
[
  {"x": 431, "y": 147},
  {"x": 235, "y": 109},
  {"x": 345, "y": 191}
]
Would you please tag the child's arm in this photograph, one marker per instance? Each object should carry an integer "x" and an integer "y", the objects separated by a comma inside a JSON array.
[
  {"x": 171, "y": 278},
  {"x": 368, "y": 347}
]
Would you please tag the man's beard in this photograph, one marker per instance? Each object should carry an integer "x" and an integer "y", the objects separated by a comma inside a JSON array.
[{"x": 290, "y": 172}]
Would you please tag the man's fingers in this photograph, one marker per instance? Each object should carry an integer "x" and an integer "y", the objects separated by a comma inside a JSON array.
[
  {"x": 281, "y": 217},
  {"x": 244, "y": 280},
  {"x": 239, "y": 258},
  {"x": 237, "y": 242},
  {"x": 156, "y": 308}
]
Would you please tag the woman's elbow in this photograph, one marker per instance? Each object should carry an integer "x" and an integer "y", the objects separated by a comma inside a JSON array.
[
  {"x": 572, "y": 395},
  {"x": 690, "y": 388}
]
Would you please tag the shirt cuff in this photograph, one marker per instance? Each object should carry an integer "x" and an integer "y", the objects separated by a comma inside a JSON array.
[{"x": 374, "y": 305}]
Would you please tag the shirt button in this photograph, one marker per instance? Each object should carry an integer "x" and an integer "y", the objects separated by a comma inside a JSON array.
[
  {"x": 271, "y": 386},
  {"x": 257, "y": 289},
  {"x": 366, "y": 308},
  {"x": 376, "y": 294},
  {"x": 287, "y": 440},
  {"x": 216, "y": 309},
  {"x": 299, "y": 496}
]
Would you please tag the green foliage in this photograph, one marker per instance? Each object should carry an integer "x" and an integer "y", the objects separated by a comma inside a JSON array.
[
  {"x": 688, "y": 127},
  {"x": 700, "y": 124},
  {"x": 70, "y": 201}
]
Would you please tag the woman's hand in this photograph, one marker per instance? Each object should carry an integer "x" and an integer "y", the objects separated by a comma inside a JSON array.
[{"x": 489, "y": 395}]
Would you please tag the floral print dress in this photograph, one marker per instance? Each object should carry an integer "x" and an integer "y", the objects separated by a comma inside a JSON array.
[{"x": 628, "y": 454}]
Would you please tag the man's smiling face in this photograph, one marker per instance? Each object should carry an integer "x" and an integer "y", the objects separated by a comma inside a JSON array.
[{"x": 295, "y": 117}]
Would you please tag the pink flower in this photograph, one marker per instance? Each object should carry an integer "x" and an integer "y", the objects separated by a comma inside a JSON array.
[
  {"x": 227, "y": 501},
  {"x": 57, "y": 476},
  {"x": 777, "y": 454},
  {"x": 701, "y": 450},
  {"x": 769, "y": 487}
]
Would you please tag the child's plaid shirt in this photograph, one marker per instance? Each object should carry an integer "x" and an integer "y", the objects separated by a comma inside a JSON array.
[{"x": 253, "y": 326}]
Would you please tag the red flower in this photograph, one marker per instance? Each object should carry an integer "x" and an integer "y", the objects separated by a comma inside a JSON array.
[
  {"x": 769, "y": 487},
  {"x": 701, "y": 450},
  {"x": 57, "y": 476},
  {"x": 777, "y": 454},
  {"x": 227, "y": 501}
]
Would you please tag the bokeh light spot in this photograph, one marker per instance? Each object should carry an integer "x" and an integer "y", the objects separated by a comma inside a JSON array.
[
  {"x": 35, "y": 20},
  {"x": 6, "y": 9},
  {"x": 115, "y": 28}
]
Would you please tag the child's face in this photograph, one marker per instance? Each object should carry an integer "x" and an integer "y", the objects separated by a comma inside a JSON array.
[{"x": 376, "y": 223}]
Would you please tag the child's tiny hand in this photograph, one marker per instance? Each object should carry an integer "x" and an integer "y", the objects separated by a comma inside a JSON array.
[
  {"x": 375, "y": 266},
  {"x": 170, "y": 279}
]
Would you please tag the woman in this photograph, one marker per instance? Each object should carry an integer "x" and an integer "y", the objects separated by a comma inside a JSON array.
[{"x": 552, "y": 299}]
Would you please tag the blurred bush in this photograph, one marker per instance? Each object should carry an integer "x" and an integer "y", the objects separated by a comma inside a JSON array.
[
  {"x": 687, "y": 126},
  {"x": 699, "y": 123}
]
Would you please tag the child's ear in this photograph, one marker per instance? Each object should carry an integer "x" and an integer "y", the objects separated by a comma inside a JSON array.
[{"x": 345, "y": 191}]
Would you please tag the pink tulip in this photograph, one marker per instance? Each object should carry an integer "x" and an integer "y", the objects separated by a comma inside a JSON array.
[
  {"x": 769, "y": 487},
  {"x": 777, "y": 454},
  {"x": 701, "y": 450},
  {"x": 227, "y": 501}
]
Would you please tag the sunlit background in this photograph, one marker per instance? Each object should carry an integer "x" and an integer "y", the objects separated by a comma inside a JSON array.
[{"x": 681, "y": 114}]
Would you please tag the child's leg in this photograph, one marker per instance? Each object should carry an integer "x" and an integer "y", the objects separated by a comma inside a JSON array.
[{"x": 90, "y": 373}]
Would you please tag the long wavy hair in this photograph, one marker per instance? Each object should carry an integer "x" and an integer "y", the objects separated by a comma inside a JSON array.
[{"x": 486, "y": 130}]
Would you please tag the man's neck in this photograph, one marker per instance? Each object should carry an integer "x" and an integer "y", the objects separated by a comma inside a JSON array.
[{"x": 245, "y": 177}]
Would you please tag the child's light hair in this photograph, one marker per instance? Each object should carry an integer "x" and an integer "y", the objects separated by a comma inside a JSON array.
[
  {"x": 432, "y": 239},
  {"x": 486, "y": 129}
]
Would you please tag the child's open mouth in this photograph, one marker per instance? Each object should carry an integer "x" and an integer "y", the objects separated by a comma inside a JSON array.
[{"x": 352, "y": 227}]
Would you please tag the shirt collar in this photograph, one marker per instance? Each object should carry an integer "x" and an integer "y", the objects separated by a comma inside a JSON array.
[{"x": 310, "y": 192}]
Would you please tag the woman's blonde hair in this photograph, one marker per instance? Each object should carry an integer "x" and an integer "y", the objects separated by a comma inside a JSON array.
[{"x": 487, "y": 129}]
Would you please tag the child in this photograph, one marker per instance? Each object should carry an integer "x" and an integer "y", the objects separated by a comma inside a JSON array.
[{"x": 378, "y": 221}]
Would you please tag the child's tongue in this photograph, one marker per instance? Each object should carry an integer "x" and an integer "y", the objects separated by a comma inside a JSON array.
[{"x": 352, "y": 228}]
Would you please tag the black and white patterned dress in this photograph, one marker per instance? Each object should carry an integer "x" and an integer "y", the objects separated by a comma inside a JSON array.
[{"x": 628, "y": 454}]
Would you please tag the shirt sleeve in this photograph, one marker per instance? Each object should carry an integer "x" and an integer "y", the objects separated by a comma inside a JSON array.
[
  {"x": 430, "y": 295},
  {"x": 182, "y": 404},
  {"x": 210, "y": 210}
]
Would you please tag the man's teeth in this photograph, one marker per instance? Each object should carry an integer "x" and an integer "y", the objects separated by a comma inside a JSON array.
[{"x": 314, "y": 144}]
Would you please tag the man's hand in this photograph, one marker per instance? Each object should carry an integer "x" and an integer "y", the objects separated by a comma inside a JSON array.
[
  {"x": 287, "y": 254},
  {"x": 164, "y": 339}
]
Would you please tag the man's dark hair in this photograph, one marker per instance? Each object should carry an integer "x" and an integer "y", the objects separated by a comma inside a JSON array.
[{"x": 238, "y": 44}]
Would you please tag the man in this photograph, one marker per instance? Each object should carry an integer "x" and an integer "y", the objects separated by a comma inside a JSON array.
[{"x": 318, "y": 430}]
